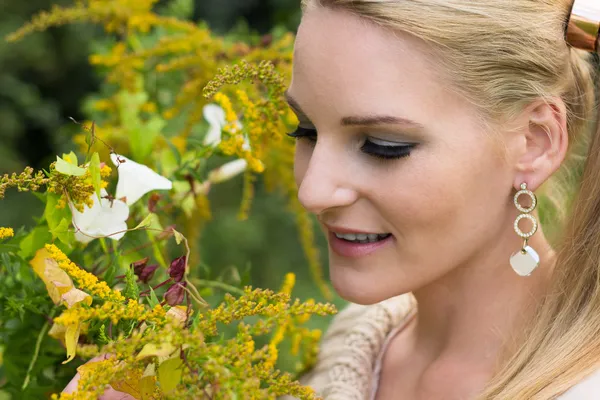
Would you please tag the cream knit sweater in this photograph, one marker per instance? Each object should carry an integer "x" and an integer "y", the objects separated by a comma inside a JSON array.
[{"x": 349, "y": 362}]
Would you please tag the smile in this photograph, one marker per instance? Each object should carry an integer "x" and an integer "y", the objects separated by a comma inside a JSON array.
[
  {"x": 355, "y": 245},
  {"x": 362, "y": 237}
]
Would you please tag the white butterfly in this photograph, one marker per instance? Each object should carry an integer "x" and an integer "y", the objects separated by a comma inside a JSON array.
[
  {"x": 135, "y": 180},
  {"x": 107, "y": 218},
  {"x": 215, "y": 116},
  {"x": 104, "y": 218},
  {"x": 227, "y": 170}
]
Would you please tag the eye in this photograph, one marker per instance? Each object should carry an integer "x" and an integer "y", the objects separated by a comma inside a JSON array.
[
  {"x": 306, "y": 133},
  {"x": 378, "y": 148},
  {"x": 386, "y": 150}
]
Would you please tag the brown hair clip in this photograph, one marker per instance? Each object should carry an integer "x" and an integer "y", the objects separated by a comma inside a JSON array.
[{"x": 583, "y": 25}]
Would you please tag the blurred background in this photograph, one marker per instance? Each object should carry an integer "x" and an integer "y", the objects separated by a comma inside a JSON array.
[{"x": 45, "y": 80}]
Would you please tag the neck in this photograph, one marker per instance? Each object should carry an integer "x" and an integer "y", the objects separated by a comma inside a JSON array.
[{"x": 472, "y": 312}]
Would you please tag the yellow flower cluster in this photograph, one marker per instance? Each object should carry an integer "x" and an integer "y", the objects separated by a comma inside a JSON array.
[
  {"x": 114, "y": 312},
  {"x": 84, "y": 280},
  {"x": 6, "y": 233},
  {"x": 75, "y": 189},
  {"x": 24, "y": 182}
]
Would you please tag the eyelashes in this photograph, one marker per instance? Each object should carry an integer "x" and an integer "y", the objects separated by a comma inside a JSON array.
[{"x": 385, "y": 152}]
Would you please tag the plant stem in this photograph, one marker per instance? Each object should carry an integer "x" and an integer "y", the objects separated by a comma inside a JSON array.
[
  {"x": 36, "y": 352},
  {"x": 219, "y": 285}
]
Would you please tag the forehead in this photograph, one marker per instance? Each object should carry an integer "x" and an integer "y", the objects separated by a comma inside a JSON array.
[{"x": 343, "y": 63}]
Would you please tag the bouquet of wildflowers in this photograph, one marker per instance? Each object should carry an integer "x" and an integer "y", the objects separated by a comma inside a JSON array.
[{"x": 115, "y": 250}]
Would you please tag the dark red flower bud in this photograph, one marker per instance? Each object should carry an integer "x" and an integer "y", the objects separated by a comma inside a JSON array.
[
  {"x": 138, "y": 266},
  {"x": 266, "y": 40},
  {"x": 175, "y": 294},
  {"x": 152, "y": 201},
  {"x": 177, "y": 269},
  {"x": 147, "y": 273}
]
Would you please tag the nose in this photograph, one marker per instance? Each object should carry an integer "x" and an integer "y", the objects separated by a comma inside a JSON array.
[{"x": 326, "y": 183}]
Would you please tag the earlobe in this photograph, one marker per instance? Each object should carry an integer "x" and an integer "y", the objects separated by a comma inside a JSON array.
[{"x": 546, "y": 141}]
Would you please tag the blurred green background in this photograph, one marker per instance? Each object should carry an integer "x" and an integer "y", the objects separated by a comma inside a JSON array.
[{"x": 45, "y": 79}]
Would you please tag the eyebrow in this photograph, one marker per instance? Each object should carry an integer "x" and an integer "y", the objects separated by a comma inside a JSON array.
[{"x": 369, "y": 120}]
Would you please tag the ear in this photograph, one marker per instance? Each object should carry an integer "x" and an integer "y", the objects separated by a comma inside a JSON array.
[{"x": 544, "y": 142}]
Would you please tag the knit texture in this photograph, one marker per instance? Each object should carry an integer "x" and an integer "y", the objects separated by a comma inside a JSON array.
[{"x": 349, "y": 350}]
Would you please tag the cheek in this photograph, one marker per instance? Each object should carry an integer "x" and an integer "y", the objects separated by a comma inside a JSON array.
[
  {"x": 436, "y": 192},
  {"x": 302, "y": 154}
]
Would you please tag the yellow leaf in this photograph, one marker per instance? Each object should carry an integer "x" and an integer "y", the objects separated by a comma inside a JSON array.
[
  {"x": 71, "y": 339},
  {"x": 58, "y": 332},
  {"x": 151, "y": 350},
  {"x": 178, "y": 314},
  {"x": 57, "y": 281},
  {"x": 130, "y": 385},
  {"x": 147, "y": 386},
  {"x": 75, "y": 296},
  {"x": 169, "y": 374},
  {"x": 178, "y": 236}
]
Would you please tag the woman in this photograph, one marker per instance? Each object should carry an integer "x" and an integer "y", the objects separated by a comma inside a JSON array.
[{"x": 425, "y": 127}]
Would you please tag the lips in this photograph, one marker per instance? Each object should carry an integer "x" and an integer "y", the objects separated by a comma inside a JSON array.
[{"x": 355, "y": 249}]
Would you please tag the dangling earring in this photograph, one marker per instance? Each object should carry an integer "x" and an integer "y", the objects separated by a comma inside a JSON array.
[{"x": 527, "y": 259}]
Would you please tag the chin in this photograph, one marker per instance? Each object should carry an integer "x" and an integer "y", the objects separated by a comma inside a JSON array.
[{"x": 358, "y": 287}]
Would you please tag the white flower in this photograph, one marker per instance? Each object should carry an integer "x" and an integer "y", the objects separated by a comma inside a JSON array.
[
  {"x": 105, "y": 218},
  {"x": 227, "y": 171},
  {"x": 135, "y": 180},
  {"x": 215, "y": 116}
]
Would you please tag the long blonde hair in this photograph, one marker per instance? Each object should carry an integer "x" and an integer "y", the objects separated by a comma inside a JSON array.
[{"x": 502, "y": 55}]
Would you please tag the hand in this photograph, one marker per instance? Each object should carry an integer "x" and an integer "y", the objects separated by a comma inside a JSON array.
[{"x": 109, "y": 394}]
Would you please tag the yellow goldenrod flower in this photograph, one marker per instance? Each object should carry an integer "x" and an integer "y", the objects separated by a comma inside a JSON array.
[
  {"x": 6, "y": 233},
  {"x": 85, "y": 280},
  {"x": 288, "y": 283}
]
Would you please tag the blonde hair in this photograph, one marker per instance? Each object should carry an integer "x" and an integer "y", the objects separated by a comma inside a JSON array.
[{"x": 502, "y": 55}]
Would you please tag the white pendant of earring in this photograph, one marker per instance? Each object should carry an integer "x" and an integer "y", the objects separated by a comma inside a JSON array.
[{"x": 526, "y": 259}]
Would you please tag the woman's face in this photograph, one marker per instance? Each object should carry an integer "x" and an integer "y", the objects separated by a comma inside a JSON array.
[{"x": 389, "y": 151}]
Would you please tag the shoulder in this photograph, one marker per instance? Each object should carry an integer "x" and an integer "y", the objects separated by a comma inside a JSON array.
[
  {"x": 587, "y": 389},
  {"x": 351, "y": 345}
]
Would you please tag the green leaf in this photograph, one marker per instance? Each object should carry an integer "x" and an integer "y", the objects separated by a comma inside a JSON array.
[
  {"x": 169, "y": 374},
  {"x": 55, "y": 218},
  {"x": 67, "y": 168},
  {"x": 102, "y": 337},
  {"x": 63, "y": 232},
  {"x": 111, "y": 272},
  {"x": 71, "y": 158},
  {"x": 175, "y": 151},
  {"x": 35, "y": 240},
  {"x": 152, "y": 299},
  {"x": 94, "y": 169},
  {"x": 146, "y": 222},
  {"x": 131, "y": 291}
]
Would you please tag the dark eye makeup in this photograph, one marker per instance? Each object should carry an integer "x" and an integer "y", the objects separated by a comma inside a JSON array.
[{"x": 386, "y": 152}]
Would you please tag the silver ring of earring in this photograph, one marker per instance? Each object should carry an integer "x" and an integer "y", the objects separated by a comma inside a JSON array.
[{"x": 525, "y": 260}]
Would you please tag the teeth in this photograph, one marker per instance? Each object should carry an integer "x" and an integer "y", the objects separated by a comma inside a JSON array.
[{"x": 362, "y": 237}]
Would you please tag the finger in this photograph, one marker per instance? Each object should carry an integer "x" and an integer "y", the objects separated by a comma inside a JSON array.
[
  {"x": 112, "y": 394},
  {"x": 72, "y": 385}
]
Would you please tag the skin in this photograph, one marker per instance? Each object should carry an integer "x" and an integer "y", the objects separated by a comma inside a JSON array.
[{"x": 449, "y": 205}]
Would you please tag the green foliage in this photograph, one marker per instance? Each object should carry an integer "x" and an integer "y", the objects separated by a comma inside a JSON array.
[{"x": 150, "y": 108}]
